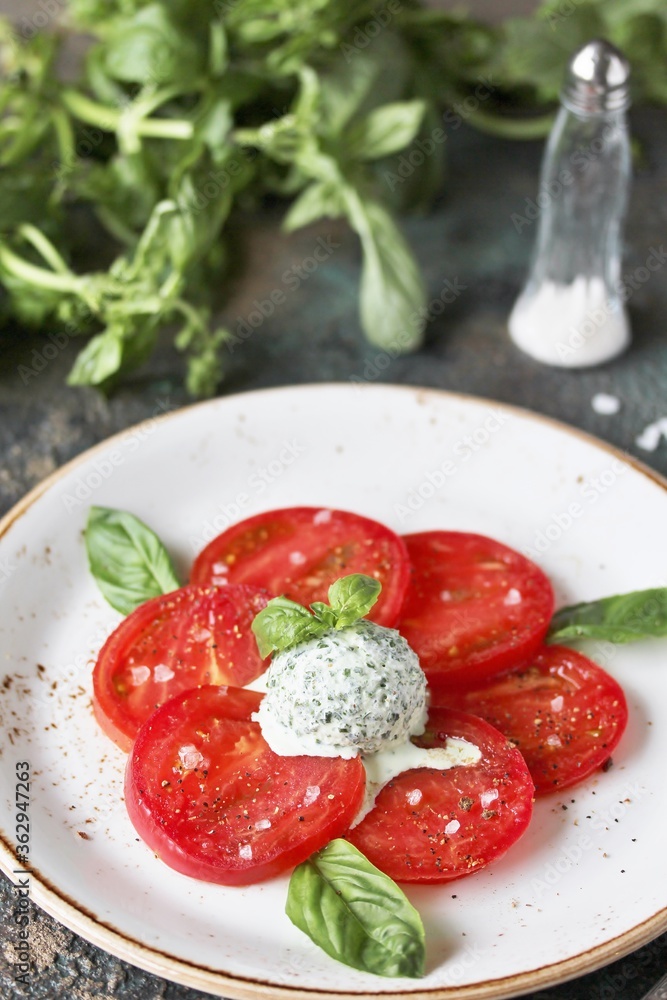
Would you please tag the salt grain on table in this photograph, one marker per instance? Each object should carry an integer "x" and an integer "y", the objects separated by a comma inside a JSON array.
[
  {"x": 649, "y": 439},
  {"x": 603, "y": 403}
]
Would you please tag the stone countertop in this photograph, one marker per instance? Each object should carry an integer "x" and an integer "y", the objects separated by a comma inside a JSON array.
[{"x": 471, "y": 249}]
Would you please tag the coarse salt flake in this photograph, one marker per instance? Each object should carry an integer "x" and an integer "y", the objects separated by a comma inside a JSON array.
[
  {"x": 201, "y": 635},
  {"x": 605, "y": 404},
  {"x": 312, "y": 794},
  {"x": 297, "y": 558},
  {"x": 139, "y": 675},
  {"x": 245, "y": 852},
  {"x": 190, "y": 757},
  {"x": 220, "y": 568},
  {"x": 322, "y": 517},
  {"x": 452, "y": 827},
  {"x": 554, "y": 740},
  {"x": 445, "y": 595},
  {"x": 557, "y": 703},
  {"x": 649, "y": 439},
  {"x": 513, "y": 596},
  {"x": 486, "y": 798},
  {"x": 161, "y": 673},
  {"x": 263, "y": 824},
  {"x": 414, "y": 796},
  {"x": 219, "y": 581}
]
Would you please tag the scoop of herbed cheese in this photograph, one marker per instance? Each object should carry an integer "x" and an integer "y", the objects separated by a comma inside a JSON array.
[{"x": 351, "y": 690}]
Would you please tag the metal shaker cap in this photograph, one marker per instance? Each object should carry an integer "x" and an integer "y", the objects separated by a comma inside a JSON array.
[{"x": 597, "y": 80}]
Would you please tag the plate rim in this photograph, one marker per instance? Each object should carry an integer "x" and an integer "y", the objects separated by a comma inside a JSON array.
[{"x": 78, "y": 919}]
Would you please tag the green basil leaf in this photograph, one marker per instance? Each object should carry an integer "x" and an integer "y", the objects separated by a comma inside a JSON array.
[
  {"x": 356, "y": 913},
  {"x": 100, "y": 359},
  {"x": 324, "y": 613},
  {"x": 352, "y": 597},
  {"x": 150, "y": 47},
  {"x": 393, "y": 296},
  {"x": 624, "y": 618},
  {"x": 283, "y": 623},
  {"x": 114, "y": 351},
  {"x": 127, "y": 559},
  {"x": 365, "y": 78},
  {"x": 385, "y": 130},
  {"x": 320, "y": 199}
]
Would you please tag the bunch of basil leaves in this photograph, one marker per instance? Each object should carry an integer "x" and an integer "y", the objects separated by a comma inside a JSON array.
[{"x": 183, "y": 112}]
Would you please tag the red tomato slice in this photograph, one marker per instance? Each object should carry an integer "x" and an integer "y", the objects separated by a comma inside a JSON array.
[
  {"x": 301, "y": 551},
  {"x": 475, "y": 607},
  {"x": 209, "y": 796},
  {"x": 432, "y": 826},
  {"x": 193, "y": 636},
  {"x": 563, "y": 712}
]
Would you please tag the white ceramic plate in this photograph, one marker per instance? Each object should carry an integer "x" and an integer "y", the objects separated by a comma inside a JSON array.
[{"x": 586, "y": 884}]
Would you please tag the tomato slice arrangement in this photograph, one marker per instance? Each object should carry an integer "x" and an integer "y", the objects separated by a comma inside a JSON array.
[
  {"x": 432, "y": 826},
  {"x": 562, "y": 711},
  {"x": 208, "y": 795},
  {"x": 195, "y": 635},
  {"x": 301, "y": 551},
  {"x": 474, "y": 609}
]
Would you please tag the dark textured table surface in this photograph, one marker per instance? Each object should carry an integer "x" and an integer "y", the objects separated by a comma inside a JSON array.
[{"x": 468, "y": 239}]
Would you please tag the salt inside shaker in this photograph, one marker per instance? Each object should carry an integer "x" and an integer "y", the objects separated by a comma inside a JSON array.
[{"x": 571, "y": 311}]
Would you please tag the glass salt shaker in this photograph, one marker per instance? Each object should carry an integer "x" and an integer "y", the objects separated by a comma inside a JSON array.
[{"x": 571, "y": 311}]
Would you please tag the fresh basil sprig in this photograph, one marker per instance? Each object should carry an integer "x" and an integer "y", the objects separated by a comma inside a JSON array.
[
  {"x": 352, "y": 597},
  {"x": 641, "y": 614},
  {"x": 129, "y": 562},
  {"x": 284, "y": 623},
  {"x": 356, "y": 913}
]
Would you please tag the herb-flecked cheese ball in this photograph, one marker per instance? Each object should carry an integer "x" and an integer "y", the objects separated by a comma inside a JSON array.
[{"x": 358, "y": 689}]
